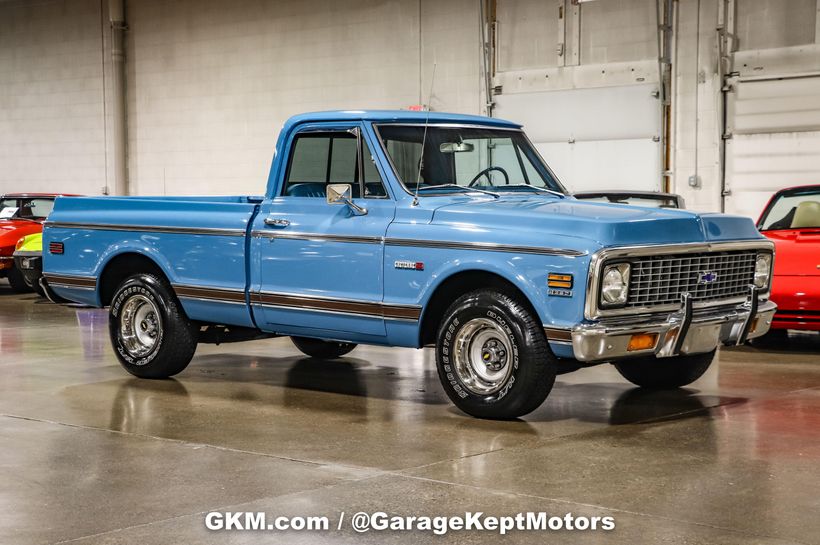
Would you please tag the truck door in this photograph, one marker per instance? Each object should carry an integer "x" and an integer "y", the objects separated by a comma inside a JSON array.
[{"x": 321, "y": 265}]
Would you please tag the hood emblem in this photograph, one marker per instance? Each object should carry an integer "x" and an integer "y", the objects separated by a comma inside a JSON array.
[{"x": 707, "y": 277}]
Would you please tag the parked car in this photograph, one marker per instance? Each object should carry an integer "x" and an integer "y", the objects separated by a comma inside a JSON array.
[
  {"x": 21, "y": 214},
  {"x": 392, "y": 228},
  {"x": 791, "y": 220},
  {"x": 28, "y": 259},
  {"x": 653, "y": 199}
]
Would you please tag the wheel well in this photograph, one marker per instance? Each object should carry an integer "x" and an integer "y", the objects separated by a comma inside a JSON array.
[
  {"x": 457, "y": 285},
  {"x": 120, "y": 268}
]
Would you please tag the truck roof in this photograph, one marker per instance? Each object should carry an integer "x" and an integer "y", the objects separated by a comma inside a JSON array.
[{"x": 394, "y": 116}]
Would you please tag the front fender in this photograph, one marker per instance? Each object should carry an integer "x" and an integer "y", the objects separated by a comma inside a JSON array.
[{"x": 527, "y": 272}]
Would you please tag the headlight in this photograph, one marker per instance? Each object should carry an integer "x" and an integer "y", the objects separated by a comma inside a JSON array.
[
  {"x": 762, "y": 268},
  {"x": 615, "y": 284}
]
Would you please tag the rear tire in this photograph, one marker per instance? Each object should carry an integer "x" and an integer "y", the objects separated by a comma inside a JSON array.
[
  {"x": 665, "y": 373},
  {"x": 17, "y": 281},
  {"x": 151, "y": 335},
  {"x": 492, "y": 356},
  {"x": 323, "y": 350}
]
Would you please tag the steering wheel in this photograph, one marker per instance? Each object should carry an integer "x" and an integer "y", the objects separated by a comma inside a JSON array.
[{"x": 486, "y": 171}]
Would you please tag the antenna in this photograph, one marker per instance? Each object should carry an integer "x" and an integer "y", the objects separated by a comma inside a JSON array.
[{"x": 424, "y": 137}]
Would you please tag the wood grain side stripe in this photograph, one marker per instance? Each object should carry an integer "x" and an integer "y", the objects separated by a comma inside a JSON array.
[
  {"x": 71, "y": 281},
  {"x": 363, "y": 308},
  {"x": 215, "y": 294}
]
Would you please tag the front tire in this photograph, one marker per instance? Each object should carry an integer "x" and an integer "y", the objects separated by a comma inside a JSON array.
[
  {"x": 323, "y": 350},
  {"x": 17, "y": 281},
  {"x": 492, "y": 356},
  {"x": 665, "y": 373},
  {"x": 151, "y": 335}
]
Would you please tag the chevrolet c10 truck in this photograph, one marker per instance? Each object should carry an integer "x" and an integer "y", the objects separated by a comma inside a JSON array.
[{"x": 417, "y": 229}]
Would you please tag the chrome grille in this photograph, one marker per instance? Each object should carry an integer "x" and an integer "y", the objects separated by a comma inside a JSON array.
[{"x": 660, "y": 280}]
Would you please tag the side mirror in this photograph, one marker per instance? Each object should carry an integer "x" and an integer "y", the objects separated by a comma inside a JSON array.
[{"x": 341, "y": 194}]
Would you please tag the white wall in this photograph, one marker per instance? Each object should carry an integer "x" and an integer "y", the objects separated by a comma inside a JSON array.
[{"x": 51, "y": 87}]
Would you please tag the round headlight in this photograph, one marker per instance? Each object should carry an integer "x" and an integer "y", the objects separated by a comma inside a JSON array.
[
  {"x": 762, "y": 267},
  {"x": 615, "y": 284}
]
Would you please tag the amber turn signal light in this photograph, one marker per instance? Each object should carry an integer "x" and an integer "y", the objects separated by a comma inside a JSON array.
[
  {"x": 555, "y": 280},
  {"x": 642, "y": 341}
]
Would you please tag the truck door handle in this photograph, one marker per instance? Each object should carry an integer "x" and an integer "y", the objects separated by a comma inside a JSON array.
[{"x": 277, "y": 222}]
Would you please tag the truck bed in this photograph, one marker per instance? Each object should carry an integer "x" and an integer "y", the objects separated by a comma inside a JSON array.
[{"x": 196, "y": 241}]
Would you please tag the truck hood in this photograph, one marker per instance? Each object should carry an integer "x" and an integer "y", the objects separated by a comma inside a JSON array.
[
  {"x": 797, "y": 252},
  {"x": 606, "y": 224}
]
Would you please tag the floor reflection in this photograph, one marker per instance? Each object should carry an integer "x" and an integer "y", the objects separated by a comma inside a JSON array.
[
  {"x": 345, "y": 376},
  {"x": 622, "y": 403},
  {"x": 146, "y": 407},
  {"x": 93, "y": 326}
]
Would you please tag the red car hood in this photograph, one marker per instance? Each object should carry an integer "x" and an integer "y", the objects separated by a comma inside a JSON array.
[
  {"x": 13, "y": 230},
  {"x": 797, "y": 252}
]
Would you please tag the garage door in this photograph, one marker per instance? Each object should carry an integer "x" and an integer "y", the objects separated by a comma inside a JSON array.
[
  {"x": 587, "y": 141},
  {"x": 775, "y": 127}
]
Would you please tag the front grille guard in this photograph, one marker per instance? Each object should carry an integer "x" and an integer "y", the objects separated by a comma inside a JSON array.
[{"x": 672, "y": 344}]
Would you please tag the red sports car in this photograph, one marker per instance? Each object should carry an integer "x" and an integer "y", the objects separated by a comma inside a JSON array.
[
  {"x": 21, "y": 214},
  {"x": 792, "y": 221}
]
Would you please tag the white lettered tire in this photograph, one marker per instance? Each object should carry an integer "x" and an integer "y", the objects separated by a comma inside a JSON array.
[
  {"x": 492, "y": 356},
  {"x": 151, "y": 335}
]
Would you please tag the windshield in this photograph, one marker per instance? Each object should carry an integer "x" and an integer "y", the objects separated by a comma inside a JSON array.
[
  {"x": 795, "y": 209},
  {"x": 29, "y": 208},
  {"x": 481, "y": 158}
]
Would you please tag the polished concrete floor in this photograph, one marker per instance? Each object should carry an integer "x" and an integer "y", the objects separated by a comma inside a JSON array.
[{"x": 90, "y": 455}]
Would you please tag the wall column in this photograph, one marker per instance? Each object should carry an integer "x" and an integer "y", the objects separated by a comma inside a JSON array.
[{"x": 119, "y": 136}]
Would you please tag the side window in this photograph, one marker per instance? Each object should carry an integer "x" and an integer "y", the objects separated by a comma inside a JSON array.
[
  {"x": 318, "y": 159},
  {"x": 322, "y": 158},
  {"x": 309, "y": 159}
]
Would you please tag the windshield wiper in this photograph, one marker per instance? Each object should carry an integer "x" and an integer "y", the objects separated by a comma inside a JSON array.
[
  {"x": 461, "y": 187},
  {"x": 534, "y": 188}
]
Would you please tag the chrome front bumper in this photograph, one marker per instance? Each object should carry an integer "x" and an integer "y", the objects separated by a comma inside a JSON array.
[{"x": 683, "y": 332}]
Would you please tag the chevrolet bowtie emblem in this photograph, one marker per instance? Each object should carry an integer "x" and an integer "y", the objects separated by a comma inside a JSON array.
[{"x": 707, "y": 277}]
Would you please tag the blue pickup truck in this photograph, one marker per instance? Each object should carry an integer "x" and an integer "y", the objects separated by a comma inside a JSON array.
[{"x": 417, "y": 229}]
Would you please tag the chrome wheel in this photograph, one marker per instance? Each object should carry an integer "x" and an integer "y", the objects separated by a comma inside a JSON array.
[
  {"x": 140, "y": 325},
  {"x": 483, "y": 356}
]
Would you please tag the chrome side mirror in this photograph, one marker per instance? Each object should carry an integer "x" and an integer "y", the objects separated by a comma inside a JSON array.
[{"x": 341, "y": 194}]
